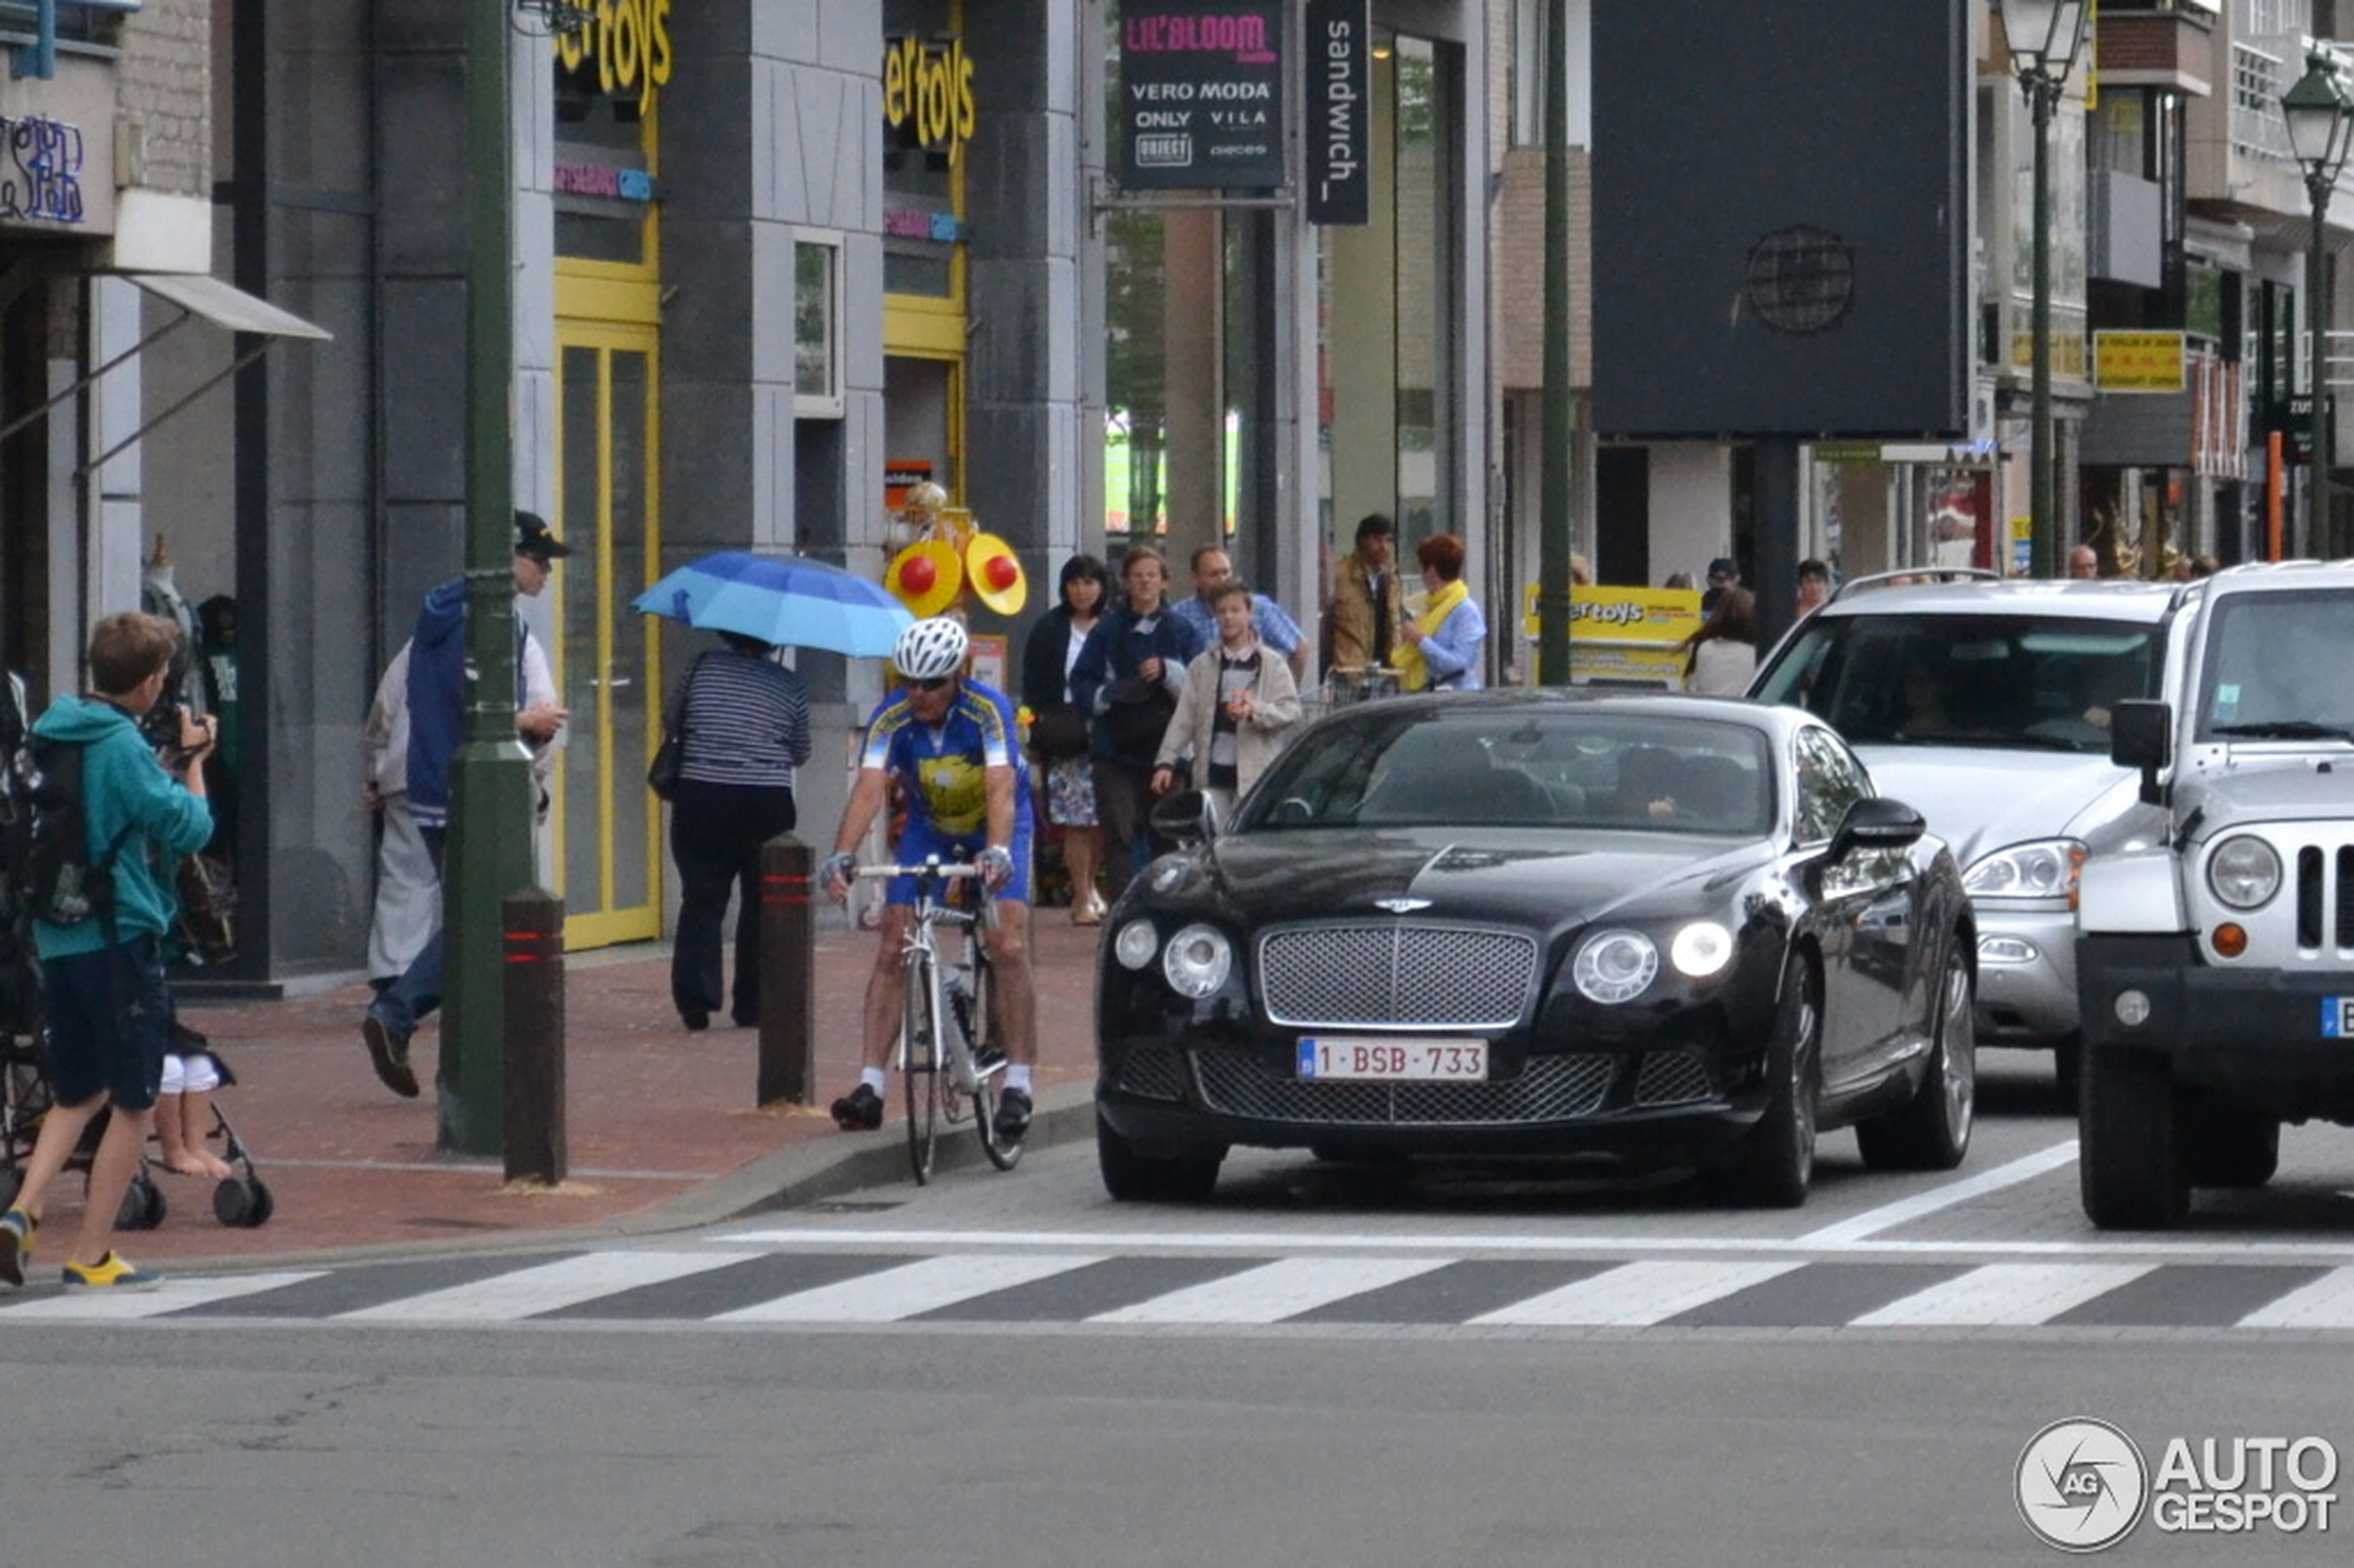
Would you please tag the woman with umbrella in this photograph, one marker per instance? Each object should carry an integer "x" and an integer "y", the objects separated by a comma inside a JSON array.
[{"x": 745, "y": 722}]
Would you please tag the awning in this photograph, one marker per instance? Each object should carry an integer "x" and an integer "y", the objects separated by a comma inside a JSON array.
[{"x": 225, "y": 305}]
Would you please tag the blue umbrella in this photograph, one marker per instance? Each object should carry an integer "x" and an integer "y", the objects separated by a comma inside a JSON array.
[{"x": 781, "y": 599}]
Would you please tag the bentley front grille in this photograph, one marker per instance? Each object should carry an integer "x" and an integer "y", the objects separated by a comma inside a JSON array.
[
  {"x": 1397, "y": 974},
  {"x": 1549, "y": 1089}
]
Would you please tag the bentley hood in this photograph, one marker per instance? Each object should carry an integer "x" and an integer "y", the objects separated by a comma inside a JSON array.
[{"x": 1534, "y": 877}]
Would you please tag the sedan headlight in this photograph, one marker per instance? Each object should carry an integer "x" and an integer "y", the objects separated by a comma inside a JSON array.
[
  {"x": 1136, "y": 945},
  {"x": 1701, "y": 949},
  {"x": 1197, "y": 961},
  {"x": 2243, "y": 872},
  {"x": 1614, "y": 967},
  {"x": 2046, "y": 869}
]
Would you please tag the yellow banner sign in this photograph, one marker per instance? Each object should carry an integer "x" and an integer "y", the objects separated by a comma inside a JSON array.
[{"x": 2139, "y": 362}]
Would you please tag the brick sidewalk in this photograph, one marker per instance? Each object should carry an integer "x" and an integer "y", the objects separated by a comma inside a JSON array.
[{"x": 654, "y": 1115}]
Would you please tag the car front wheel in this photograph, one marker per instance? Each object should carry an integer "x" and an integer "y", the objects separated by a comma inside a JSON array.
[
  {"x": 1134, "y": 1177},
  {"x": 1776, "y": 1162},
  {"x": 2129, "y": 1152}
]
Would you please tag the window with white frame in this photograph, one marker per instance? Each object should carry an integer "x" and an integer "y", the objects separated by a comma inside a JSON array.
[{"x": 817, "y": 328}]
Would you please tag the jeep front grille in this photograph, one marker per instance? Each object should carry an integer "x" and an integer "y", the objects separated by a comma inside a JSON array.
[{"x": 2324, "y": 897}]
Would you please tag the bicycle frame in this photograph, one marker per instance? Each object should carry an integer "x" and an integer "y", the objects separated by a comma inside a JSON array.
[{"x": 940, "y": 1065}]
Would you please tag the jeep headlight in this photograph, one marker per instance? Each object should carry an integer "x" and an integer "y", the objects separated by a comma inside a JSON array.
[
  {"x": 2044, "y": 868},
  {"x": 1614, "y": 967},
  {"x": 2243, "y": 872}
]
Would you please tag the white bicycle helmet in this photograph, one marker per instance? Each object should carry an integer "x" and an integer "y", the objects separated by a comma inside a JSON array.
[{"x": 930, "y": 650}]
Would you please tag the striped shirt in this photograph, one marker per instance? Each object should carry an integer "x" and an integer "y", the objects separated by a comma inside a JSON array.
[{"x": 747, "y": 721}]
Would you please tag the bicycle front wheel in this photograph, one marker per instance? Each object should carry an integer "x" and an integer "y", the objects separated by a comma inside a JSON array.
[
  {"x": 988, "y": 1069},
  {"x": 920, "y": 1070}
]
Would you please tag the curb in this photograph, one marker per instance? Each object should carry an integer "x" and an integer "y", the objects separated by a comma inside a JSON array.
[{"x": 801, "y": 1172}]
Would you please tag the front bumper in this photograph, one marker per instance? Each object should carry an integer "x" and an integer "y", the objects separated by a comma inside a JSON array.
[
  {"x": 1670, "y": 1106},
  {"x": 2026, "y": 976},
  {"x": 2251, "y": 1036}
]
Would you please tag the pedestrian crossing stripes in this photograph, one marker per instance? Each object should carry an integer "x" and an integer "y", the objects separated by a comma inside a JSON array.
[{"x": 729, "y": 1287}]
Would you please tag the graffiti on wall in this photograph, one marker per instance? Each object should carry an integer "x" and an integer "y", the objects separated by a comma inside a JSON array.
[{"x": 40, "y": 170}]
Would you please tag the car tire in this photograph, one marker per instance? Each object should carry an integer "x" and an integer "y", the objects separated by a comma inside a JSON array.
[
  {"x": 1131, "y": 1177},
  {"x": 2129, "y": 1156},
  {"x": 1931, "y": 1131},
  {"x": 2231, "y": 1147},
  {"x": 1777, "y": 1161},
  {"x": 2068, "y": 1071}
]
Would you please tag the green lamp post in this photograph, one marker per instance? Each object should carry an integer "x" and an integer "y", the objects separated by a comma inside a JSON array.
[{"x": 2321, "y": 126}]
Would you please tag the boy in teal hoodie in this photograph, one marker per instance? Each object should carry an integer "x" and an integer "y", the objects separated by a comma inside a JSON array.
[{"x": 102, "y": 980}]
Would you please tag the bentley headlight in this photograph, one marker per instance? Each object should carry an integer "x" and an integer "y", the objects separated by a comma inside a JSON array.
[
  {"x": 1196, "y": 960},
  {"x": 2046, "y": 869},
  {"x": 1701, "y": 949},
  {"x": 1614, "y": 967},
  {"x": 2243, "y": 872},
  {"x": 1136, "y": 945}
]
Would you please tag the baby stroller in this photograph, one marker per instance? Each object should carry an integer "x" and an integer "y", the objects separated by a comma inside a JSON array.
[{"x": 242, "y": 1201}]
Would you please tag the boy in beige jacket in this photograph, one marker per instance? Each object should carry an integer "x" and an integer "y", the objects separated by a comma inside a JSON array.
[{"x": 1239, "y": 701}]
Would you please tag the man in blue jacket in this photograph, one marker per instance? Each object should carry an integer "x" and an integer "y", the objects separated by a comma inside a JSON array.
[
  {"x": 438, "y": 680},
  {"x": 102, "y": 978}
]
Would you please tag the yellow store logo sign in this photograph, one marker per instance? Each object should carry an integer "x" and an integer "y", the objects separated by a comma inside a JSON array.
[
  {"x": 928, "y": 94},
  {"x": 628, "y": 42}
]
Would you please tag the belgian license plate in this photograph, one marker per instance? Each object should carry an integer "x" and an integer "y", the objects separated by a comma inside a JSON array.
[
  {"x": 1353, "y": 1057},
  {"x": 2337, "y": 1018}
]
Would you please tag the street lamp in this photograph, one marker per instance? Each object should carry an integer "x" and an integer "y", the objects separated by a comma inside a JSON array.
[
  {"x": 2044, "y": 37},
  {"x": 2320, "y": 125}
]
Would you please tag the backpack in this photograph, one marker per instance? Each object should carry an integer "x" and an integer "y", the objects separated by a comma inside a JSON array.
[{"x": 64, "y": 885}]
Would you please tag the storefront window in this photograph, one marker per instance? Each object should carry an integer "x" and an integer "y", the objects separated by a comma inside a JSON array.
[
  {"x": 603, "y": 174},
  {"x": 928, "y": 109}
]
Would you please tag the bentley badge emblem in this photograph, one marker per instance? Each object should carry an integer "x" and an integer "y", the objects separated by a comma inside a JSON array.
[{"x": 1401, "y": 906}]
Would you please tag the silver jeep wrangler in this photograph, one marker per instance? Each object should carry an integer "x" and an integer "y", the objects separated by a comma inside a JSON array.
[{"x": 2215, "y": 969}]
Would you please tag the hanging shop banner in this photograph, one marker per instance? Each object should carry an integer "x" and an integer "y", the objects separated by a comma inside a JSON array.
[
  {"x": 1339, "y": 78},
  {"x": 1201, "y": 94}
]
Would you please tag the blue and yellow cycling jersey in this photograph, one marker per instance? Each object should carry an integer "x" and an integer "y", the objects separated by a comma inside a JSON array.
[{"x": 943, "y": 770}]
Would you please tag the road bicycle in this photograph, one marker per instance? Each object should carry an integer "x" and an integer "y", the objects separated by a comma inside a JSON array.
[{"x": 952, "y": 1065}]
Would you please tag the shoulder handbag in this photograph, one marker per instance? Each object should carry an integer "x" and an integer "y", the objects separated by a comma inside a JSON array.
[
  {"x": 1058, "y": 731},
  {"x": 670, "y": 758}
]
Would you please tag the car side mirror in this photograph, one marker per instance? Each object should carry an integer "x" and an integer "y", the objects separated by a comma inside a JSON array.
[
  {"x": 1877, "y": 824},
  {"x": 1186, "y": 818},
  {"x": 2141, "y": 734}
]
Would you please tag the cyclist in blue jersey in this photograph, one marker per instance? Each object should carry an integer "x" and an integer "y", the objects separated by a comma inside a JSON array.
[{"x": 952, "y": 745}]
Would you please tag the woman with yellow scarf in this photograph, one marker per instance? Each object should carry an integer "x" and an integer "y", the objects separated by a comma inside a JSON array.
[{"x": 1442, "y": 643}]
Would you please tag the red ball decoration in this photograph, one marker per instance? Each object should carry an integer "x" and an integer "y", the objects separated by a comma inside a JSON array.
[
  {"x": 1003, "y": 572},
  {"x": 917, "y": 578}
]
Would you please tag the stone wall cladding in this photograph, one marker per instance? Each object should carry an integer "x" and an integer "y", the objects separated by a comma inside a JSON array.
[{"x": 164, "y": 86}]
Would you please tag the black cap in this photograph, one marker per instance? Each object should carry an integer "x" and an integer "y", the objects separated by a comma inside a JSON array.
[
  {"x": 1723, "y": 567},
  {"x": 533, "y": 539}
]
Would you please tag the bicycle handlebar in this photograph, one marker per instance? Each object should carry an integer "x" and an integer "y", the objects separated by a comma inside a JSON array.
[{"x": 946, "y": 870}]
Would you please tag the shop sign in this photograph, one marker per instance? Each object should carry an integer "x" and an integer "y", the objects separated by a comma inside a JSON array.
[
  {"x": 927, "y": 95},
  {"x": 625, "y": 48},
  {"x": 2138, "y": 361},
  {"x": 40, "y": 170},
  {"x": 1201, "y": 94},
  {"x": 1340, "y": 72},
  {"x": 2292, "y": 419},
  {"x": 597, "y": 180}
]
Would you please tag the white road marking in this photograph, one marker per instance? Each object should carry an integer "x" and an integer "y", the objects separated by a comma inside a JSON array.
[
  {"x": 1904, "y": 1210},
  {"x": 2328, "y": 1302},
  {"x": 1272, "y": 1292},
  {"x": 568, "y": 1282},
  {"x": 2005, "y": 1295},
  {"x": 1634, "y": 1295},
  {"x": 106, "y": 1305},
  {"x": 908, "y": 1290},
  {"x": 2307, "y": 1250}
]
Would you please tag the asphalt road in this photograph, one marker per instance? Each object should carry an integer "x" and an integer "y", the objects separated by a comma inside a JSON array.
[{"x": 1321, "y": 1364}]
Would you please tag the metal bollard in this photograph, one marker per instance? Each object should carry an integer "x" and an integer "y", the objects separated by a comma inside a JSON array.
[
  {"x": 787, "y": 973},
  {"x": 534, "y": 994}
]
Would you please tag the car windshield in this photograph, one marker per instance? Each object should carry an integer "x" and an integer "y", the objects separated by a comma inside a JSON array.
[
  {"x": 1425, "y": 764},
  {"x": 2276, "y": 669},
  {"x": 2016, "y": 682}
]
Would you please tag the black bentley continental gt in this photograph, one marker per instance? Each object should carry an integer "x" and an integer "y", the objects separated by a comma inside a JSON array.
[{"x": 1676, "y": 930}]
